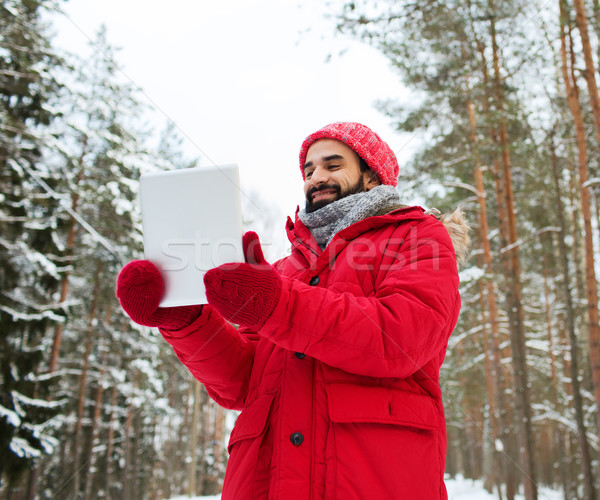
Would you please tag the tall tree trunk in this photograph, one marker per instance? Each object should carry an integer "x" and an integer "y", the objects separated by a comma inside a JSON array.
[
  {"x": 154, "y": 482},
  {"x": 193, "y": 467},
  {"x": 77, "y": 436},
  {"x": 127, "y": 480},
  {"x": 516, "y": 313},
  {"x": 64, "y": 285},
  {"x": 492, "y": 468},
  {"x": 597, "y": 203},
  {"x": 549, "y": 334},
  {"x": 590, "y": 71},
  {"x": 492, "y": 342},
  {"x": 584, "y": 449},
  {"x": 168, "y": 451},
  {"x": 110, "y": 443},
  {"x": 467, "y": 462},
  {"x": 590, "y": 274},
  {"x": 204, "y": 436},
  {"x": 505, "y": 378},
  {"x": 576, "y": 229},
  {"x": 92, "y": 460},
  {"x": 136, "y": 470},
  {"x": 64, "y": 289},
  {"x": 556, "y": 429},
  {"x": 218, "y": 451},
  {"x": 596, "y": 24},
  {"x": 83, "y": 384},
  {"x": 182, "y": 445}
]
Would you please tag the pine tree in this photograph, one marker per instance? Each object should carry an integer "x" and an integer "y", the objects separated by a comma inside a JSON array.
[
  {"x": 485, "y": 100},
  {"x": 29, "y": 218},
  {"x": 100, "y": 152}
]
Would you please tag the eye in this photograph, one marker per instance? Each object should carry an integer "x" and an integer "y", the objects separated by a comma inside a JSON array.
[
  {"x": 308, "y": 174},
  {"x": 333, "y": 167}
]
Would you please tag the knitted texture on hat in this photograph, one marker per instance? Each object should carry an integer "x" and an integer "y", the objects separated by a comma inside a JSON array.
[
  {"x": 245, "y": 294},
  {"x": 139, "y": 290},
  {"x": 366, "y": 143}
]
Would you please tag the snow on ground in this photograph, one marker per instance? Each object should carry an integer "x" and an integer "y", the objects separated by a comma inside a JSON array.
[
  {"x": 467, "y": 489},
  {"x": 214, "y": 497},
  {"x": 458, "y": 489}
]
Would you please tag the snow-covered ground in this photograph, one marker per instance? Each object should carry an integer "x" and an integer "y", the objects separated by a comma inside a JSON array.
[
  {"x": 467, "y": 489},
  {"x": 458, "y": 489}
]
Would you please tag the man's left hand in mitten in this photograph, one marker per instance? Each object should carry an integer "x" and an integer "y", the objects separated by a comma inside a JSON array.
[{"x": 245, "y": 293}]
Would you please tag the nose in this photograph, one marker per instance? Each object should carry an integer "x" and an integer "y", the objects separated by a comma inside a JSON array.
[{"x": 319, "y": 176}]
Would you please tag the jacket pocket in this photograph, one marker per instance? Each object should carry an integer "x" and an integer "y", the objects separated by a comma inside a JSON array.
[
  {"x": 248, "y": 469},
  {"x": 382, "y": 443},
  {"x": 252, "y": 421},
  {"x": 353, "y": 403}
]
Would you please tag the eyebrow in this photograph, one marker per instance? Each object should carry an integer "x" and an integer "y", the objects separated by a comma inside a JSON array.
[{"x": 325, "y": 159}]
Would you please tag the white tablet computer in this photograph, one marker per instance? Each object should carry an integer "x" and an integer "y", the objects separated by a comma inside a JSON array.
[{"x": 192, "y": 222}]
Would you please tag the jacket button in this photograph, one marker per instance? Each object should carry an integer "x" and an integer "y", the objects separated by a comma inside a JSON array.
[
  {"x": 300, "y": 355},
  {"x": 297, "y": 439},
  {"x": 314, "y": 281}
]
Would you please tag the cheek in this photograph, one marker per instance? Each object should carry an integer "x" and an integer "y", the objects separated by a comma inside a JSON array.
[
  {"x": 306, "y": 186},
  {"x": 343, "y": 181}
]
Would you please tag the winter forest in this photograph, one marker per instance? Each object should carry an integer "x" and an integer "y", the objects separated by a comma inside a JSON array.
[{"x": 505, "y": 96}]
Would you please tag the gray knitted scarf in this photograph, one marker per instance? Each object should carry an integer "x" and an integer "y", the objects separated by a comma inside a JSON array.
[{"x": 326, "y": 222}]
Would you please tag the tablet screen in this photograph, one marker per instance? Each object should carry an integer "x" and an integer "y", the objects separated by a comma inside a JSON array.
[{"x": 192, "y": 222}]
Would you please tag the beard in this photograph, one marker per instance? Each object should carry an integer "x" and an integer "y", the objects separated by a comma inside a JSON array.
[{"x": 359, "y": 187}]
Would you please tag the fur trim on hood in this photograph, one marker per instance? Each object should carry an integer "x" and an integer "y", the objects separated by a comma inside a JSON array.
[{"x": 458, "y": 228}]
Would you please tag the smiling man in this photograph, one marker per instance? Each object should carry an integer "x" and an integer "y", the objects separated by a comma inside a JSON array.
[{"x": 335, "y": 365}]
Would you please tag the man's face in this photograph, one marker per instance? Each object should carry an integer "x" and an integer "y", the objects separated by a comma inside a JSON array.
[{"x": 332, "y": 171}]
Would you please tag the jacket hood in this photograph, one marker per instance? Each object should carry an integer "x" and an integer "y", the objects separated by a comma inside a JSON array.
[{"x": 457, "y": 226}]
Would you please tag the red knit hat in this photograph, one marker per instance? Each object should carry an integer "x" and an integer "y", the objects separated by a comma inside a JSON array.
[{"x": 366, "y": 143}]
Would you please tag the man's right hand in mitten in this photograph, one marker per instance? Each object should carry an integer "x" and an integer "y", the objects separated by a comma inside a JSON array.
[{"x": 140, "y": 288}]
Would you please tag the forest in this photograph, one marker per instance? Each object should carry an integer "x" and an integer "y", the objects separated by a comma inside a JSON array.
[{"x": 504, "y": 99}]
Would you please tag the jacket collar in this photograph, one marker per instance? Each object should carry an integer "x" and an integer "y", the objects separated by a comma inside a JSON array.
[{"x": 303, "y": 241}]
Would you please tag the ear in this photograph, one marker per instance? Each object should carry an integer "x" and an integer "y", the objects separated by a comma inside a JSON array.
[{"x": 370, "y": 179}]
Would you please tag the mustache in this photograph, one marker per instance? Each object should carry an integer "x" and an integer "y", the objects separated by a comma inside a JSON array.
[{"x": 315, "y": 189}]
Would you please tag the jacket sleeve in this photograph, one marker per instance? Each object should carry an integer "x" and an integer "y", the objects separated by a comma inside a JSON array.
[
  {"x": 217, "y": 355},
  {"x": 391, "y": 334}
]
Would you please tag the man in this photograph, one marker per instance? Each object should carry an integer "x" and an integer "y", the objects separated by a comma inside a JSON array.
[{"x": 335, "y": 364}]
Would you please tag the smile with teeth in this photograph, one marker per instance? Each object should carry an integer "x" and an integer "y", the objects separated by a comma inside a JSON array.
[{"x": 323, "y": 194}]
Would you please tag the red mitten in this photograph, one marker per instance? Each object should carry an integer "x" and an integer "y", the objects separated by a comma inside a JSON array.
[
  {"x": 140, "y": 288},
  {"x": 245, "y": 293}
]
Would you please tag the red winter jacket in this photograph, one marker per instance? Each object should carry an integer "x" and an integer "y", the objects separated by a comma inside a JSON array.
[{"x": 339, "y": 390}]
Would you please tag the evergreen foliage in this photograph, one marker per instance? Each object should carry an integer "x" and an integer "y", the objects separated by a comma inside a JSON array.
[
  {"x": 91, "y": 405},
  {"x": 29, "y": 219},
  {"x": 487, "y": 97}
]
